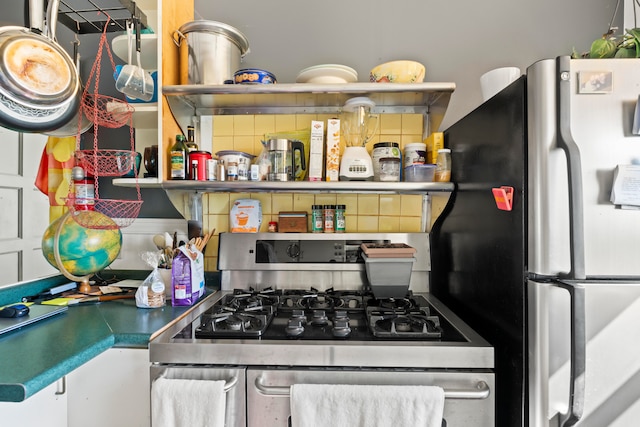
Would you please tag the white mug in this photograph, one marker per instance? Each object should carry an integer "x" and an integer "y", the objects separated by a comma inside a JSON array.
[{"x": 495, "y": 80}]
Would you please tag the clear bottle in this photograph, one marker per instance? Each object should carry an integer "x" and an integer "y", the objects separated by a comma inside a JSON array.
[
  {"x": 443, "y": 166},
  {"x": 317, "y": 219},
  {"x": 340, "y": 221},
  {"x": 179, "y": 158}
]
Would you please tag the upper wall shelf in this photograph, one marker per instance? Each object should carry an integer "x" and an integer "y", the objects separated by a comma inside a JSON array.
[
  {"x": 185, "y": 101},
  {"x": 361, "y": 187},
  {"x": 80, "y": 15}
]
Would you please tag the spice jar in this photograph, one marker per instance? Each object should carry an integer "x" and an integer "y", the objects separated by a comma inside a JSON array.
[
  {"x": 443, "y": 166},
  {"x": 273, "y": 226},
  {"x": 232, "y": 171},
  {"x": 340, "y": 222},
  {"x": 317, "y": 219},
  {"x": 84, "y": 190},
  {"x": 329, "y": 218}
]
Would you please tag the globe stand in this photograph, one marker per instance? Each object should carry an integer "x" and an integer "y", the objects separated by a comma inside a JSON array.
[{"x": 84, "y": 287}]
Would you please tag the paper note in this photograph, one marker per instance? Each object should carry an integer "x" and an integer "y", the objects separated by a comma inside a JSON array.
[{"x": 626, "y": 186}]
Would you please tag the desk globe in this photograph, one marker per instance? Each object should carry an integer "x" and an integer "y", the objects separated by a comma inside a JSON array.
[{"x": 83, "y": 250}]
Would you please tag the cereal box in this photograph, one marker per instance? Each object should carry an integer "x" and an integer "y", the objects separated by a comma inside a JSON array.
[
  {"x": 333, "y": 150},
  {"x": 316, "y": 152}
]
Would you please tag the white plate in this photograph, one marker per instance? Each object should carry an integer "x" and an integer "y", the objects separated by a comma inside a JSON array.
[{"x": 327, "y": 73}]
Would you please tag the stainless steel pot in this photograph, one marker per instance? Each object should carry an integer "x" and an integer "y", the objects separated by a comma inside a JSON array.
[
  {"x": 210, "y": 51},
  {"x": 39, "y": 83}
]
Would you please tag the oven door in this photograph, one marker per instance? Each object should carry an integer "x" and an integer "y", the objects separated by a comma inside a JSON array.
[
  {"x": 235, "y": 403},
  {"x": 469, "y": 396}
]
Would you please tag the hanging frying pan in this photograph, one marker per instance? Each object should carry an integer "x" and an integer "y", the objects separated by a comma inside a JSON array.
[{"x": 39, "y": 83}]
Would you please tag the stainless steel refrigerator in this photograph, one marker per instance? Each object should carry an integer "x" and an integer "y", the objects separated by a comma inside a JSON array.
[{"x": 534, "y": 254}]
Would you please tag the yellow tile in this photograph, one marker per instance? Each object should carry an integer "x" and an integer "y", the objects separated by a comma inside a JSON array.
[
  {"x": 303, "y": 202},
  {"x": 351, "y": 223},
  {"x": 325, "y": 117},
  {"x": 285, "y": 122},
  {"x": 303, "y": 121},
  {"x": 325, "y": 199},
  {"x": 389, "y": 204},
  {"x": 264, "y": 124},
  {"x": 281, "y": 202},
  {"x": 410, "y": 224},
  {"x": 235, "y": 196},
  {"x": 222, "y": 125},
  {"x": 221, "y": 143},
  {"x": 367, "y": 224},
  {"x": 245, "y": 143},
  {"x": 391, "y": 124},
  {"x": 258, "y": 147},
  {"x": 389, "y": 224},
  {"x": 410, "y": 139},
  {"x": 210, "y": 264},
  {"x": 350, "y": 201},
  {"x": 243, "y": 125},
  {"x": 368, "y": 204},
  {"x": 265, "y": 202},
  {"x": 390, "y": 138},
  {"x": 411, "y": 205},
  {"x": 219, "y": 222},
  {"x": 218, "y": 203},
  {"x": 412, "y": 123}
]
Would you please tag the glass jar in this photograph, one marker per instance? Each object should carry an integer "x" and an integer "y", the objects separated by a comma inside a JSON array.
[
  {"x": 340, "y": 221},
  {"x": 443, "y": 166},
  {"x": 329, "y": 218},
  {"x": 389, "y": 169},
  {"x": 273, "y": 226},
  {"x": 317, "y": 219}
]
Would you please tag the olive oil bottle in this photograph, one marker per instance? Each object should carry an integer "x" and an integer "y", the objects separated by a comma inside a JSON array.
[{"x": 179, "y": 158}]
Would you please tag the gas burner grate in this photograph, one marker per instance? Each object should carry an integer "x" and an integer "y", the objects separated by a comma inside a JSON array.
[
  {"x": 405, "y": 326},
  {"x": 233, "y": 325}
]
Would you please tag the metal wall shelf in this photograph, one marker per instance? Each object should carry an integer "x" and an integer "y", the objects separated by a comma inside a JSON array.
[{"x": 90, "y": 16}]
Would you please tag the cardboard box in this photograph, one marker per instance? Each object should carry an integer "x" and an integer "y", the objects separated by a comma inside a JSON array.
[
  {"x": 332, "y": 171},
  {"x": 292, "y": 222},
  {"x": 316, "y": 151},
  {"x": 434, "y": 142}
]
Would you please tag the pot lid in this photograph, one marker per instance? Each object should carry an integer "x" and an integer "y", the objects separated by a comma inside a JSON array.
[{"x": 215, "y": 27}]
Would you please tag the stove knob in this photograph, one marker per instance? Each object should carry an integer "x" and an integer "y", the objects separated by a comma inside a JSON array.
[
  {"x": 294, "y": 328},
  {"x": 341, "y": 329},
  {"x": 319, "y": 318},
  {"x": 340, "y": 315},
  {"x": 299, "y": 315}
]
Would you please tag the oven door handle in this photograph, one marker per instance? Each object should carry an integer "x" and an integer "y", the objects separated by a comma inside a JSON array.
[
  {"x": 481, "y": 391},
  {"x": 228, "y": 384}
]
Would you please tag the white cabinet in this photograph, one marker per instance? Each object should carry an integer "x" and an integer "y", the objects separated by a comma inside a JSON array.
[
  {"x": 48, "y": 408},
  {"x": 111, "y": 389}
]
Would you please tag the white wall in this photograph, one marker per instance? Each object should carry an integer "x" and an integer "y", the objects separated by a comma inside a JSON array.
[{"x": 456, "y": 40}]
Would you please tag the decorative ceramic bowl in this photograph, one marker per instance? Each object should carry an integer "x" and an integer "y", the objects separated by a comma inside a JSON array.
[{"x": 398, "y": 72}]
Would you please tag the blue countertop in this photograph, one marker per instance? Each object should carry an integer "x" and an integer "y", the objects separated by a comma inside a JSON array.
[{"x": 37, "y": 355}]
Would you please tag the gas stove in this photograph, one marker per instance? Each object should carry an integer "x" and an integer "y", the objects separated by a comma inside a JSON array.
[
  {"x": 297, "y": 308},
  {"x": 311, "y": 314}
]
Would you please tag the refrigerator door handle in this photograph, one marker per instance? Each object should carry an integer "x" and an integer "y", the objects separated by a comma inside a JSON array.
[
  {"x": 574, "y": 166},
  {"x": 578, "y": 354}
]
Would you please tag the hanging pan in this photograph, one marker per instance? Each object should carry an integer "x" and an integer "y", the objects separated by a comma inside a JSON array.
[{"x": 39, "y": 83}]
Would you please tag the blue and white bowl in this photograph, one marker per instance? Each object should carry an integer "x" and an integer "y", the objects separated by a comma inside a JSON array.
[{"x": 253, "y": 76}]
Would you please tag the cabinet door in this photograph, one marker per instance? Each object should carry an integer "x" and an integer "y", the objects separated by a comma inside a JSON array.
[
  {"x": 48, "y": 408},
  {"x": 111, "y": 389},
  {"x": 25, "y": 210}
]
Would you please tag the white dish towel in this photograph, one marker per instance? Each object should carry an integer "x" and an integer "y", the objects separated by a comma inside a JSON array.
[
  {"x": 187, "y": 403},
  {"x": 341, "y": 405}
]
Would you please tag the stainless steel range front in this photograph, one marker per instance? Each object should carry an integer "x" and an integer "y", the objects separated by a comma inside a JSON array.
[{"x": 298, "y": 309}]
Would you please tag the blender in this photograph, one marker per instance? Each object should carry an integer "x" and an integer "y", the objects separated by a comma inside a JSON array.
[{"x": 358, "y": 126}]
